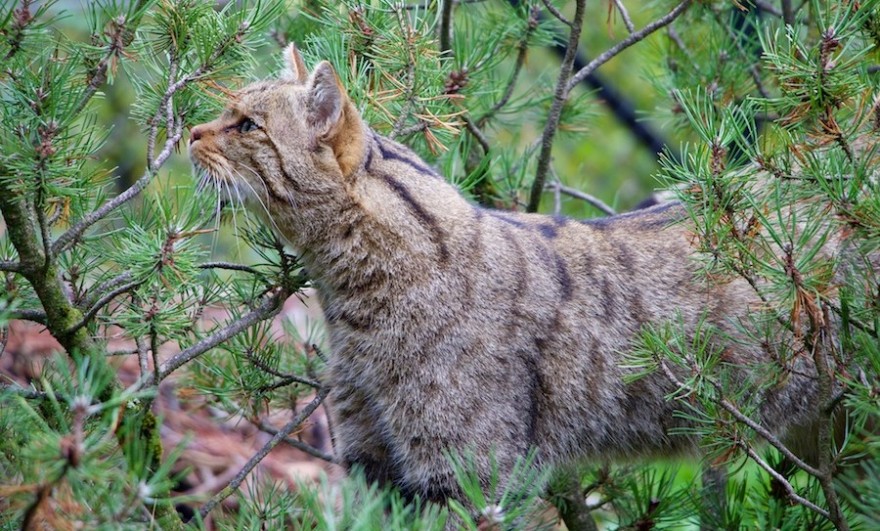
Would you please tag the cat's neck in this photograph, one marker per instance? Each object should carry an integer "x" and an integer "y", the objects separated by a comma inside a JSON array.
[{"x": 390, "y": 223}]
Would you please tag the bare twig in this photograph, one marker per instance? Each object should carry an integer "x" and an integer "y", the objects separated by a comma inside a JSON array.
[
  {"x": 782, "y": 481},
  {"x": 592, "y": 200},
  {"x": 291, "y": 377},
  {"x": 10, "y": 267},
  {"x": 143, "y": 355},
  {"x": 522, "y": 47},
  {"x": 416, "y": 128},
  {"x": 559, "y": 98},
  {"x": 624, "y": 14},
  {"x": 446, "y": 26},
  {"x": 299, "y": 445},
  {"x": 475, "y": 131},
  {"x": 230, "y": 266},
  {"x": 37, "y": 316},
  {"x": 95, "y": 292},
  {"x": 626, "y": 43},
  {"x": 264, "y": 451},
  {"x": 556, "y": 13},
  {"x": 103, "y": 301},
  {"x": 676, "y": 38}
]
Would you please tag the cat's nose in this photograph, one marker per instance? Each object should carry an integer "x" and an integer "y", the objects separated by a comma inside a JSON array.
[{"x": 195, "y": 134}]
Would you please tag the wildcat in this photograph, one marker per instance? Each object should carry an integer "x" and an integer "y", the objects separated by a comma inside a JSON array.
[{"x": 457, "y": 327}]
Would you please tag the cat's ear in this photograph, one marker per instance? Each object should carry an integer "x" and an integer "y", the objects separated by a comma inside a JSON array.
[
  {"x": 295, "y": 70},
  {"x": 326, "y": 99}
]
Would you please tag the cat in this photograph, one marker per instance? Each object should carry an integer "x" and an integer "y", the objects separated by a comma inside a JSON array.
[{"x": 454, "y": 327}]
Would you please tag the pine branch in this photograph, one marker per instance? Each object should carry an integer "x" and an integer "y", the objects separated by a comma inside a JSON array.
[
  {"x": 522, "y": 48},
  {"x": 299, "y": 445},
  {"x": 35, "y": 316},
  {"x": 624, "y": 14},
  {"x": 290, "y": 378},
  {"x": 69, "y": 238},
  {"x": 556, "y": 13},
  {"x": 577, "y": 194},
  {"x": 738, "y": 415},
  {"x": 10, "y": 267},
  {"x": 626, "y": 43},
  {"x": 269, "y": 307},
  {"x": 553, "y": 118},
  {"x": 280, "y": 436}
]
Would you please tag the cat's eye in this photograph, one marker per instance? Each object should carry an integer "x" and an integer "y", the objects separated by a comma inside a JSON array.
[{"x": 247, "y": 126}]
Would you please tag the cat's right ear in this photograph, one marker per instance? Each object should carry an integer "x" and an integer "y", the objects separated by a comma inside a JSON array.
[{"x": 295, "y": 70}]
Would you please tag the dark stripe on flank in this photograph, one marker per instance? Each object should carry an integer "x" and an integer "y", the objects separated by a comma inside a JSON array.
[
  {"x": 438, "y": 235},
  {"x": 536, "y": 388},
  {"x": 564, "y": 278},
  {"x": 388, "y": 154},
  {"x": 500, "y": 216}
]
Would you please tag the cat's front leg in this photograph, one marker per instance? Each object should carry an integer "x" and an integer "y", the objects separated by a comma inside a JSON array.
[{"x": 360, "y": 441}]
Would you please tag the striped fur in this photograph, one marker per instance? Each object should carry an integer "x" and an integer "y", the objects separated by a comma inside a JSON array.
[{"x": 455, "y": 327}]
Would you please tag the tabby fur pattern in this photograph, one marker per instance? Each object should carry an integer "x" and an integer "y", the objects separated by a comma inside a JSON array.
[{"x": 456, "y": 327}]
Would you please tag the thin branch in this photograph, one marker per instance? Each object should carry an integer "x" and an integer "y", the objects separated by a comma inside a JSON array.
[
  {"x": 592, "y": 200},
  {"x": 270, "y": 306},
  {"x": 122, "y": 352},
  {"x": 556, "y": 13},
  {"x": 522, "y": 48},
  {"x": 230, "y": 266},
  {"x": 94, "y": 293},
  {"x": 10, "y": 267},
  {"x": 299, "y": 445},
  {"x": 142, "y": 351},
  {"x": 36, "y": 316},
  {"x": 738, "y": 415},
  {"x": 446, "y": 26},
  {"x": 676, "y": 38},
  {"x": 415, "y": 128},
  {"x": 264, "y": 451},
  {"x": 555, "y": 114},
  {"x": 103, "y": 301},
  {"x": 626, "y": 43},
  {"x": 787, "y": 13},
  {"x": 764, "y": 5},
  {"x": 789, "y": 489},
  {"x": 66, "y": 240},
  {"x": 624, "y": 14},
  {"x": 292, "y": 377},
  {"x": 477, "y": 134}
]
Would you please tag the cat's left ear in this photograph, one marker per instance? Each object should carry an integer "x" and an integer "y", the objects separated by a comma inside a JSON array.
[
  {"x": 295, "y": 70},
  {"x": 326, "y": 100}
]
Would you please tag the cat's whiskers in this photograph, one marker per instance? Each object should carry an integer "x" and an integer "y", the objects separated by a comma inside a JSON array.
[{"x": 257, "y": 196}]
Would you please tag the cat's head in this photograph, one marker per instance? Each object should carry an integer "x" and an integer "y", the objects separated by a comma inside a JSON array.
[{"x": 282, "y": 143}]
